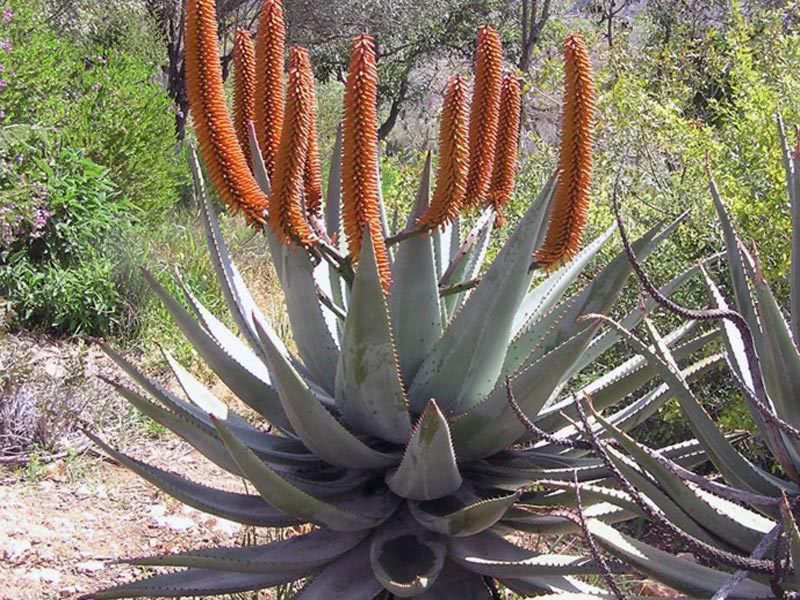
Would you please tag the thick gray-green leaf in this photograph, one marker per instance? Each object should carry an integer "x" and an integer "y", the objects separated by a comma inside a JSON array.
[
  {"x": 346, "y": 578},
  {"x": 414, "y": 303},
  {"x": 541, "y": 336},
  {"x": 240, "y": 508},
  {"x": 428, "y": 470},
  {"x": 456, "y": 518},
  {"x": 735, "y": 468},
  {"x": 288, "y": 498},
  {"x": 466, "y": 362},
  {"x": 455, "y": 582},
  {"x": 489, "y": 554},
  {"x": 193, "y": 582},
  {"x": 493, "y": 425},
  {"x": 300, "y": 554},
  {"x": 317, "y": 428},
  {"x": 684, "y": 575},
  {"x": 310, "y": 328},
  {"x": 549, "y": 291},
  {"x": 247, "y": 386},
  {"x": 405, "y": 557},
  {"x": 369, "y": 389},
  {"x": 238, "y": 298},
  {"x": 735, "y": 525}
]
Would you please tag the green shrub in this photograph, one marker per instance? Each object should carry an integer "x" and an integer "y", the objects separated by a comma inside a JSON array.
[{"x": 54, "y": 272}]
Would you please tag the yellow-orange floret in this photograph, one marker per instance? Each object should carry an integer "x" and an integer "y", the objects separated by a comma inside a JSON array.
[
  {"x": 244, "y": 89},
  {"x": 360, "y": 199},
  {"x": 270, "y": 48},
  {"x": 505, "y": 160},
  {"x": 571, "y": 202},
  {"x": 223, "y": 157},
  {"x": 453, "y": 158},
  {"x": 484, "y": 116},
  {"x": 286, "y": 215}
]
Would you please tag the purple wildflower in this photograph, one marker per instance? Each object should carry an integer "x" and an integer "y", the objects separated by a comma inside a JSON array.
[
  {"x": 3, "y": 84},
  {"x": 6, "y": 46},
  {"x": 8, "y": 15}
]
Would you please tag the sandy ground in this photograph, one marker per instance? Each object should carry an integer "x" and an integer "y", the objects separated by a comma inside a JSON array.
[{"x": 60, "y": 532}]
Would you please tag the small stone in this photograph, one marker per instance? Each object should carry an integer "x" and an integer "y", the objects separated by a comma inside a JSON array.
[
  {"x": 15, "y": 549},
  {"x": 90, "y": 566},
  {"x": 157, "y": 511},
  {"x": 44, "y": 575},
  {"x": 175, "y": 522}
]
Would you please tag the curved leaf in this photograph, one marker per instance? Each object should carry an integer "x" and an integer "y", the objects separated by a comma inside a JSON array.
[
  {"x": 466, "y": 362},
  {"x": 415, "y": 310},
  {"x": 318, "y": 429},
  {"x": 428, "y": 469},
  {"x": 346, "y": 578},
  {"x": 290, "y": 499},
  {"x": 369, "y": 389},
  {"x": 468, "y": 518}
]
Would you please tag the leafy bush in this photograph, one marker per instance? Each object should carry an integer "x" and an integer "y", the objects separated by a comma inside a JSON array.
[
  {"x": 55, "y": 273},
  {"x": 103, "y": 98}
]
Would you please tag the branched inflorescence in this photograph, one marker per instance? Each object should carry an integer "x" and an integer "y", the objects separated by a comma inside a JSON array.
[
  {"x": 568, "y": 214},
  {"x": 286, "y": 214},
  {"x": 484, "y": 116},
  {"x": 360, "y": 197},
  {"x": 505, "y": 162},
  {"x": 223, "y": 156},
  {"x": 270, "y": 47},
  {"x": 453, "y": 158},
  {"x": 244, "y": 89}
]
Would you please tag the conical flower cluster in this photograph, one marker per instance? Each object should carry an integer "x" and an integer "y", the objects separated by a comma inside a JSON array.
[
  {"x": 244, "y": 89},
  {"x": 453, "y": 157},
  {"x": 270, "y": 48},
  {"x": 484, "y": 115},
  {"x": 568, "y": 214},
  {"x": 360, "y": 199},
  {"x": 286, "y": 214},
  {"x": 222, "y": 154},
  {"x": 505, "y": 162},
  {"x": 312, "y": 174}
]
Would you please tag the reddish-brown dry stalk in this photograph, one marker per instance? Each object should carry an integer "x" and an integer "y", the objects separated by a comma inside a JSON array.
[
  {"x": 453, "y": 157},
  {"x": 484, "y": 116},
  {"x": 312, "y": 174},
  {"x": 285, "y": 210},
  {"x": 270, "y": 47},
  {"x": 360, "y": 210},
  {"x": 505, "y": 160},
  {"x": 219, "y": 147},
  {"x": 568, "y": 214},
  {"x": 244, "y": 89}
]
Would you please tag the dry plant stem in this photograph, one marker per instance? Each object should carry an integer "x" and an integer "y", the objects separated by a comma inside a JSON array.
[
  {"x": 758, "y": 552},
  {"x": 598, "y": 557},
  {"x": 536, "y": 431},
  {"x": 695, "y": 546},
  {"x": 761, "y": 401},
  {"x": 407, "y": 235},
  {"x": 459, "y": 287},
  {"x": 326, "y": 300}
]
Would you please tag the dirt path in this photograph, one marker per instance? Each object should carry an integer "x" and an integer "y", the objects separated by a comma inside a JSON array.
[{"x": 59, "y": 532}]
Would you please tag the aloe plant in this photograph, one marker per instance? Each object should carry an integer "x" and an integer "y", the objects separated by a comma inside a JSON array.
[
  {"x": 741, "y": 526},
  {"x": 396, "y": 421}
]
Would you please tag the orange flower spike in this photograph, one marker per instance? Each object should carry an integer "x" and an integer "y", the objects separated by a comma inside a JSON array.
[
  {"x": 453, "y": 157},
  {"x": 270, "y": 48},
  {"x": 285, "y": 211},
  {"x": 312, "y": 174},
  {"x": 484, "y": 116},
  {"x": 571, "y": 202},
  {"x": 223, "y": 157},
  {"x": 244, "y": 86},
  {"x": 360, "y": 209},
  {"x": 505, "y": 160}
]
